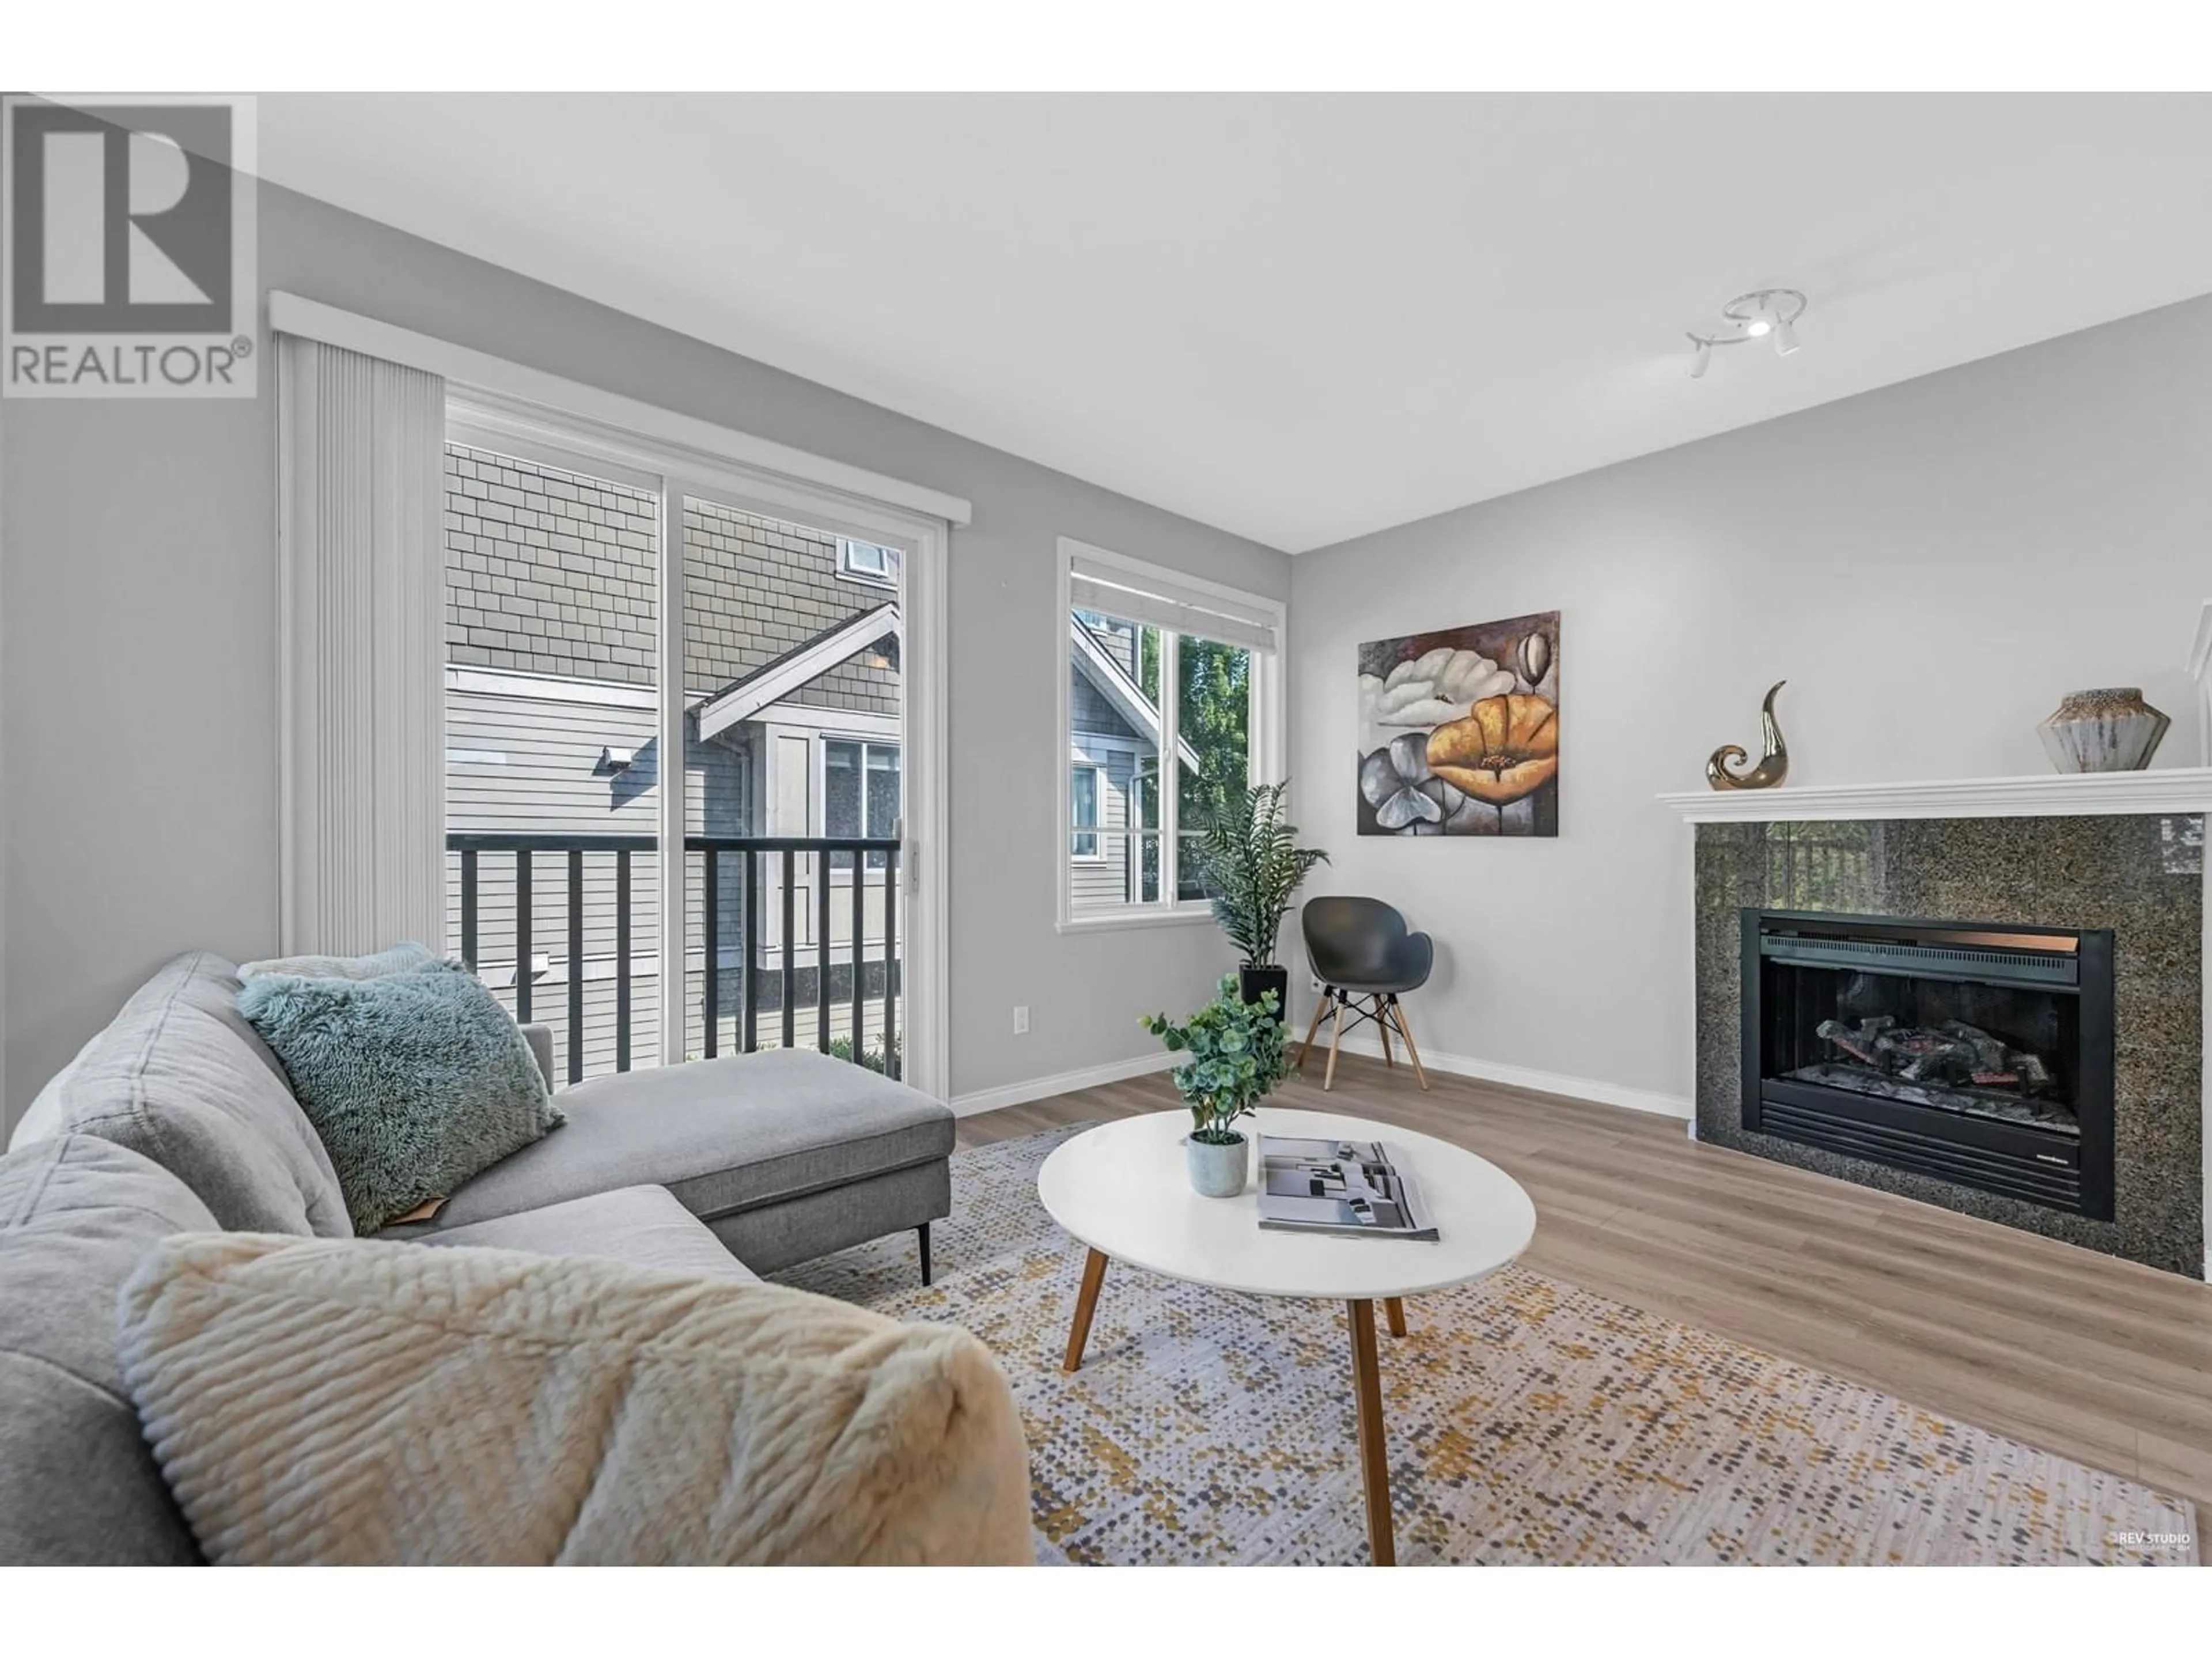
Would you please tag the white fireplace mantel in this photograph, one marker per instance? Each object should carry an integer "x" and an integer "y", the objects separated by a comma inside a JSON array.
[{"x": 2166, "y": 789}]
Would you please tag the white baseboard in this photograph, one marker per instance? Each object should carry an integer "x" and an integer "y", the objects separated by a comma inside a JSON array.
[
  {"x": 1516, "y": 1077},
  {"x": 1060, "y": 1083},
  {"x": 1523, "y": 1077}
]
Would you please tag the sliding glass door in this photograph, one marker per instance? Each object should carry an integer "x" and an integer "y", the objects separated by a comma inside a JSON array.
[{"x": 646, "y": 656}]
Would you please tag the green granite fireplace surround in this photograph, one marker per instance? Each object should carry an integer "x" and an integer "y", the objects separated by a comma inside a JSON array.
[{"x": 2140, "y": 875}]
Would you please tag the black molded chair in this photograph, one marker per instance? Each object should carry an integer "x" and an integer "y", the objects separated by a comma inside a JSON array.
[{"x": 1365, "y": 960}]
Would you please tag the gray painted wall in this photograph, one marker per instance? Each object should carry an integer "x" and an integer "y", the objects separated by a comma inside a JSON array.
[
  {"x": 1930, "y": 566},
  {"x": 140, "y": 661}
]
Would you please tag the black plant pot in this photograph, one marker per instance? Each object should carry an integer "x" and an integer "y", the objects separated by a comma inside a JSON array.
[{"x": 1253, "y": 983}]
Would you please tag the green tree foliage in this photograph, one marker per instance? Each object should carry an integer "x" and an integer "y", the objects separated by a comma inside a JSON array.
[{"x": 1216, "y": 716}]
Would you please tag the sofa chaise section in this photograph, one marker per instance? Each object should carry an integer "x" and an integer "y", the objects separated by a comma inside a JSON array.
[{"x": 785, "y": 1155}]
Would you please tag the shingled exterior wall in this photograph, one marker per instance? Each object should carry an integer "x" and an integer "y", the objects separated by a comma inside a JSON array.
[
  {"x": 551, "y": 573},
  {"x": 547, "y": 573},
  {"x": 753, "y": 588}
]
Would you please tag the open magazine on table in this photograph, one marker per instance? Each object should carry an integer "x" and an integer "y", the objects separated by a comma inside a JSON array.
[{"x": 1341, "y": 1186}]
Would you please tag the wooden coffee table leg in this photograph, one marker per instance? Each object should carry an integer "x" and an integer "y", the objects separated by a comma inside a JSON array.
[
  {"x": 1374, "y": 1455},
  {"x": 1394, "y": 1310},
  {"x": 1087, "y": 1302}
]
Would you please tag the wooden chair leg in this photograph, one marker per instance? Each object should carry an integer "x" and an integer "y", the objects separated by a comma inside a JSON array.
[
  {"x": 1335, "y": 1034},
  {"x": 1382, "y": 1025},
  {"x": 1320, "y": 1008},
  {"x": 1412, "y": 1052}
]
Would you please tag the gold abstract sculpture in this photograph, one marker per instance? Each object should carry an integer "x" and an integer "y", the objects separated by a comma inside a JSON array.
[{"x": 1773, "y": 765}]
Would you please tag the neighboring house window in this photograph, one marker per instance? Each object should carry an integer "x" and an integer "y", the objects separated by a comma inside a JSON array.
[
  {"x": 859, "y": 795},
  {"x": 1172, "y": 690},
  {"x": 866, "y": 561},
  {"x": 1087, "y": 786}
]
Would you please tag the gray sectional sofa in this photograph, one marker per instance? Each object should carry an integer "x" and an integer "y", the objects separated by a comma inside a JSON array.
[{"x": 176, "y": 1118}]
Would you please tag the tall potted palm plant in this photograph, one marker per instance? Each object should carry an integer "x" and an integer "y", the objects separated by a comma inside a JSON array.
[{"x": 1250, "y": 862}]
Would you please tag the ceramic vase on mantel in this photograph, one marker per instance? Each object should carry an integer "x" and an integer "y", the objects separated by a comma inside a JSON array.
[{"x": 2113, "y": 730}]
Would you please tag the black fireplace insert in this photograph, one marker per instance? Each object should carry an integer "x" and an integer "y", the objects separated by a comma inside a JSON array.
[{"x": 1980, "y": 1053}]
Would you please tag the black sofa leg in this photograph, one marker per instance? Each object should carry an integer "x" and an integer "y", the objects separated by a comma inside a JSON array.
[{"x": 922, "y": 1234}]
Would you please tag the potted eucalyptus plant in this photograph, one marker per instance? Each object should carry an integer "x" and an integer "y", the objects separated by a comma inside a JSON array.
[
  {"x": 1237, "y": 1058},
  {"x": 1249, "y": 861}
]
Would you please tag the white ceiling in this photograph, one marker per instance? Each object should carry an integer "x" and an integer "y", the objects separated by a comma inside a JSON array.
[{"x": 1302, "y": 319}]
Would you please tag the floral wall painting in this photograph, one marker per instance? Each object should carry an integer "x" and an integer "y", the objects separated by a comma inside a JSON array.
[{"x": 1459, "y": 731}]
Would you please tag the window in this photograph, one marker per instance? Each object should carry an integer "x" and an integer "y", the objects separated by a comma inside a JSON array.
[
  {"x": 1171, "y": 690},
  {"x": 866, "y": 561},
  {"x": 859, "y": 795},
  {"x": 1087, "y": 786}
]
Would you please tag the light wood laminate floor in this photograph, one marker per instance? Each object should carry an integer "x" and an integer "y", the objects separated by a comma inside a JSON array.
[{"x": 2096, "y": 1358}]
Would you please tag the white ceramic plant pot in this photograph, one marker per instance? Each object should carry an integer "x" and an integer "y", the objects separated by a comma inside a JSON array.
[{"x": 1217, "y": 1171}]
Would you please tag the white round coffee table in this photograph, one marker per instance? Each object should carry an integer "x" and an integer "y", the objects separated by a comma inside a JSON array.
[{"x": 1121, "y": 1190}]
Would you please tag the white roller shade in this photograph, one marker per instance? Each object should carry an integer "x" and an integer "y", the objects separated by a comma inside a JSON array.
[{"x": 1095, "y": 585}]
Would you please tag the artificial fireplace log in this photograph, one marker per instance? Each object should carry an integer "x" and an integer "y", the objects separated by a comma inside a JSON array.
[
  {"x": 1950, "y": 1051},
  {"x": 1858, "y": 1044}
]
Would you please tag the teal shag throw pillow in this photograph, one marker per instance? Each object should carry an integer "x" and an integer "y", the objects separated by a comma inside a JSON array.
[{"x": 415, "y": 1081}]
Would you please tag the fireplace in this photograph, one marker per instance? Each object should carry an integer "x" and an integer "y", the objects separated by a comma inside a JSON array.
[{"x": 1977, "y": 1053}]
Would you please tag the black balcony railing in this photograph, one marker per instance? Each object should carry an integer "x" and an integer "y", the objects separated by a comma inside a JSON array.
[{"x": 868, "y": 880}]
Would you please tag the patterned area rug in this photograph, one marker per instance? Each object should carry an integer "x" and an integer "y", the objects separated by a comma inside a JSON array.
[{"x": 1528, "y": 1421}]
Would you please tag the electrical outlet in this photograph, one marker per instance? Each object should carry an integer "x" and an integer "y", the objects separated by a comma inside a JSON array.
[{"x": 1021, "y": 1019}]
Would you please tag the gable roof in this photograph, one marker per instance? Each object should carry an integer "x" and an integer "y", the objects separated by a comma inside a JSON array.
[
  {"x": 1115, "y": 683},
  {"x": 778, "y": 678}
]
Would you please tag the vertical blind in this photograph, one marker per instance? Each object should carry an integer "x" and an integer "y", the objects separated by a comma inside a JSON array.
[{"x": 360, "y": 617}]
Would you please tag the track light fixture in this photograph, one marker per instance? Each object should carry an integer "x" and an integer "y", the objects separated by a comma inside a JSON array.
[{"x": 1763, "y": 312}]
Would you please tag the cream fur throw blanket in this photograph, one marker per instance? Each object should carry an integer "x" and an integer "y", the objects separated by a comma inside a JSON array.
[{"x": 346, "y": 1400}]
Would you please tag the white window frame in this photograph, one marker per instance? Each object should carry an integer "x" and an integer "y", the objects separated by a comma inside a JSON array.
[
  {"x": 1267, "y": 729},
  {"x": 849, "y": 570},
  {"x": 1095, "y": 830}
]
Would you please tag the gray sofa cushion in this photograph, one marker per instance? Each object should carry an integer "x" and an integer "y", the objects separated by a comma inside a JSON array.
[
  {"x": 722, "y": 1135},
  {"x": 644, "y": 1226},
  {"x": 193, "y": 1088},
  {"x": 77, "y": 1482}
]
